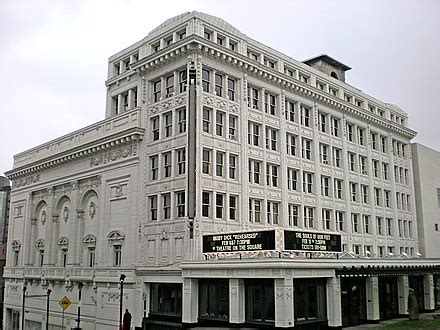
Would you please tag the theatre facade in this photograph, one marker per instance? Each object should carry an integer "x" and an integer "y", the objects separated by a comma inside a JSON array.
[{"x": 228, "y": 184}]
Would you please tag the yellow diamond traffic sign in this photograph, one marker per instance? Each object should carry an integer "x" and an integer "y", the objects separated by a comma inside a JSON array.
[{"x": 64, "y": 303}]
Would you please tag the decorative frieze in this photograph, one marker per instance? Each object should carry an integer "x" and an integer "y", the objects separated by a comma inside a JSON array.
[
  {"x": 113, "y": 155},
  {"x": 25, "y": 181}
]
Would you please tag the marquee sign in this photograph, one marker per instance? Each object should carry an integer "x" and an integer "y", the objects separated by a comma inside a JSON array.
[
  {"x": 239, "y": 242},
  {"x": 310, "y": 241}
]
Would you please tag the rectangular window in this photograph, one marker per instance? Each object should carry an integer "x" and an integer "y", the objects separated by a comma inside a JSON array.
[
  {"x": 180, "y": 204},
  {"x": 254, "y": 171},
  {"x": 206, "y": 80},
  {"x": 325, "y": 186},
  {"x": 231, "y": 89},
  {"x": 183, "y": 80},
  {"x": 290, "y": 111},
  {"x": 323, "y": 153},
  {"x": 154, "y": 167},
  {"x": 272, "y": 212},
  {"x": 361, "y": 140},
  {"x": 355, "y": 223},
  {"x": 218, "y": 84},
  {"x": 387, "y": 194},
  {"x": 166, "y": 164},
  {"x": 336, "y": 157},
  {"x": 375, "y": 164},
  {"x": 291, "y": 144},
  {"x": 153, "y": 207},
  {"x": 213, "y": 299},
  {"x": 350, "y": 132},
  {"x": 292, "y": 179},
  {"x": 351, "y": 161},
  {"x": 335, "y": 127},
  {"x": 181, "y": 120},
  {"x": 272, "y": 175},
  {"x": 169, "y": 82},
  {"x": 293, "y": 215},
  {"x": 326, "y": 218},
  {"x": 308, "y": 182},
  {"x": 116, "y": 255},
  {"x": 363, "y": 164},
  {"x": 166, "y": 299},
  {"x": 254, "y": 210},
  {"x": 389, "y": 226},
  {"x": 253, "y": 98},
  {"x": 253, "y": 134},
  {"x": 271, "y": 138},
  {"x": 305, "y": 116},
  {"x": 233, "y": 127},
  {"x": 338, "y": 188},
  {"x": 155, "y": 127},
  {"x": 374, "y": 141},
  {"x": 181, "y": 161},
  {"x": 233, "y": 166},
  {"x": 91, "y": 256},
  {"x": 206, "y": 161},
  {"x": 219, "y": 123},
  {"x": 379, "y": 225},
  {"x": 219, "y": 163},
  {"x": 323, "y": 122},
  {"x": 309, "y": 216},
  {"x": 306, "y": 148},
  {"x": 385, "y": 171},
  {"x": 206, "y": 204},
  {"x": 206, "y": 120},
  {"x": 219, "y": 206},
  {"x": 383, "y": 144},
  {"x": 364, "y": 194},
  {"x": 366, "y": 219},
  {"x": 353, "y": 191},
  {"x": 309, "y": 301},
  {"x": 166, "y": 204},
  {"x": 157, "y": 90},
  {"x": 168, "y": 124},
  {"x": 339, "y": 220},
  {"x": 233, "y": 207},
  {"x": 270, "y": 104},
  {"x": 377, "y": 197}
]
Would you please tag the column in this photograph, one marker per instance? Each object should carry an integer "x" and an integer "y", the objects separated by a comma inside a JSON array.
[
  {"x": 48, "y": 238},
  {"x": 130, "y": 99},
  {"x": 403, "y": 291},
  {"x": 79, "y": 231},
  {"x": 284, "y": 317},
  {"x": 54, "y": 240},
  {"x": 73, "y": 242},
  {"x": 334, "y": 308},
  {"x": 30, "y": 245},
  {"x": 372, "y": 288},
  {"x": 190, "y": 306},
  {"x": 236, "y": 301},
  {"x": 120, "y": 103},
  {"x": 428, "y": 288}
]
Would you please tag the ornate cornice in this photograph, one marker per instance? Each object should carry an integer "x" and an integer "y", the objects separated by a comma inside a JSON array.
[{"x": 106, "y": 143}]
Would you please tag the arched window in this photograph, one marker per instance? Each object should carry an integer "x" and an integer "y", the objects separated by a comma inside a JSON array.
[{"x": 334, "y": 75}]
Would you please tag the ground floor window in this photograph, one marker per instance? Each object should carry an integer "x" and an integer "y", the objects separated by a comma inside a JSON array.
[
  {"x": 260, "y": 301},
  {"x": 13, "y": 319},
  {"x": 310, "y": 300},
  {"x": 166, "y": 299},
  {"x": 214, "y": 299}
]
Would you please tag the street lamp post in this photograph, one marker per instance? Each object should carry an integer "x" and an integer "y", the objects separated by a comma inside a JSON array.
[
  {"x": 47, "y": 309},
  {"x": 22, "y": 306},
  {"x": 78, "y": 319},
  {"x": 121, "y": 279}
]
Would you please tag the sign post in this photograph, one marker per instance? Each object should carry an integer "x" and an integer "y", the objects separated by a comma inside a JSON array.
[{"x": 64, "y": 303}]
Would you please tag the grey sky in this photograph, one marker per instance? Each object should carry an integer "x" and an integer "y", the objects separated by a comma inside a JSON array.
[{"x": 53, "y": 54}]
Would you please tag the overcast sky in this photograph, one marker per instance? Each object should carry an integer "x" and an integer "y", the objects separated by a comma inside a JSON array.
[{"x": 53, "y": 54}]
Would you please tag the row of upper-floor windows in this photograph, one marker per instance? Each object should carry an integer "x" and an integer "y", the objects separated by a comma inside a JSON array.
[
  {"x": 125, "y": 101},
  {"x": 168, "y": 124},
  {"x": 167, "y": 40},
  {"x": 124, "y": 65},
  {"x": 167, "y": 205},
  {"x": 219, "y": 84},
  {"x": 167, "y": 164},
  {"x": 220, "y": 39},
  {"x": 381, "y": 250},
  {"x": 170, "y": 84}
]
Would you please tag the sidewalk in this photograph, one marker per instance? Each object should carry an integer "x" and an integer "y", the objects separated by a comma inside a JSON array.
[{"x": 387, "y": 322}]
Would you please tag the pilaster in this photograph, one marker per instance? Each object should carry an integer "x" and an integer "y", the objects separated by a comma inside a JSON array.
[
  {"x": 190, "y": 306},
  {"x": 372, "y": 288},
  {"x": 403, "y": 291},
  {"x": 428, "y": 288},
  {"x": 284, "y": 314},
  {"x": 79, "y": 231},
  {"x": 334, "y": 309},
  {"x": 236, "y": 301}
]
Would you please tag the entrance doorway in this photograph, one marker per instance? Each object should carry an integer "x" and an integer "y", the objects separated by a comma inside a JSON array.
[
  {"x": 416, "y": 283},
  {"x": 353, "y": 301},
  {"x": 388, "y": 298}
]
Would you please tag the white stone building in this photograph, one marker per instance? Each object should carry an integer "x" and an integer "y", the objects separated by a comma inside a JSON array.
[
  {"x": 426, "y": 164},
  {"x": 209, "y": 131}
]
